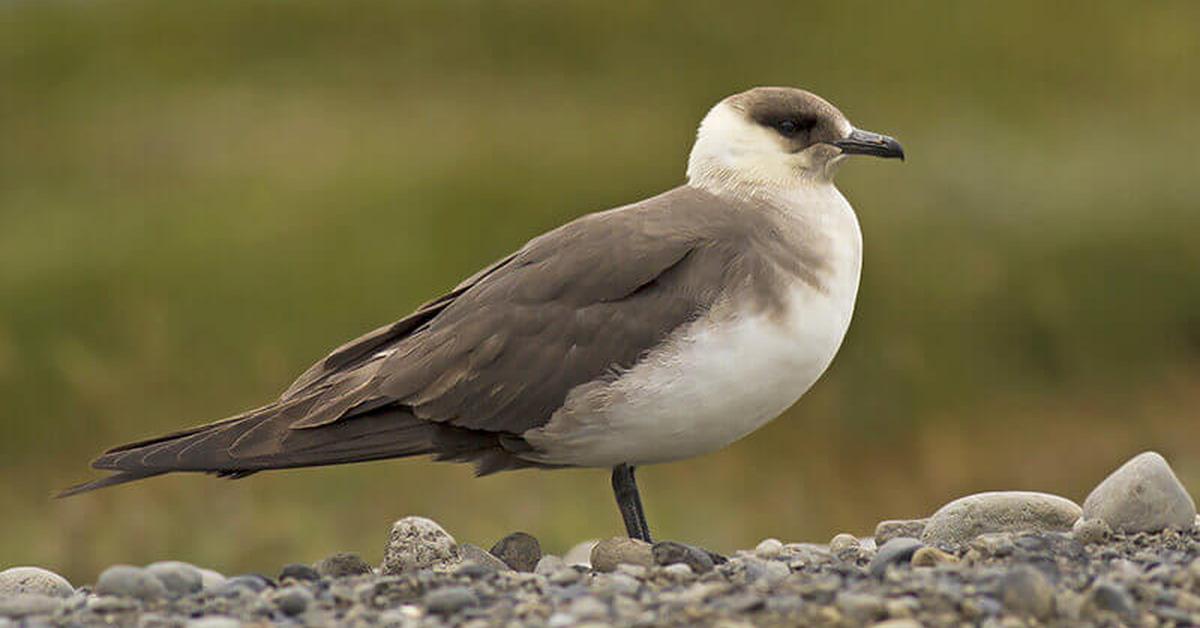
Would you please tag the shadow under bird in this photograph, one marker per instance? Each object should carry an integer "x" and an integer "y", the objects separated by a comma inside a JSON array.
[{"x": 648, "y": 333}]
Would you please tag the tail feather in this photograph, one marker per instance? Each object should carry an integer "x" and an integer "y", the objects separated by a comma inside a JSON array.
[{"x": 263, "y": 439}]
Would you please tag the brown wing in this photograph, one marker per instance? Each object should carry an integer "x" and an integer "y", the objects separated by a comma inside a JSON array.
[{"x": 465, "y": 375}]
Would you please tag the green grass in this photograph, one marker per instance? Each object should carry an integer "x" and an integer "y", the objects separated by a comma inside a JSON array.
[{"x": 198, "y": 200}]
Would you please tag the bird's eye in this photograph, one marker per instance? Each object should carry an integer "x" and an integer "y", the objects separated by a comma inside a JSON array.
[{"x": 788, "y": 127}]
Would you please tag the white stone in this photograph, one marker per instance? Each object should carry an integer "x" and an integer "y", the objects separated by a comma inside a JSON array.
[
  {"x": 1143, "y": 495},
  {"x": 34, "y": 580},
  {"x": 965, "y": 518},
  {"x": 418, "y": 543}
]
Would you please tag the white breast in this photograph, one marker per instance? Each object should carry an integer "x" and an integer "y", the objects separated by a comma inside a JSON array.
[{"x": 722, "y": 377}]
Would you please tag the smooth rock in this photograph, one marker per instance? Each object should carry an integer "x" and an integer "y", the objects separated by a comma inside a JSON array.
[
  {"x": 550, "y": 565},
  {"x": 769, "y": 548},
  {"x": 1090, "y": 531},
  {"x": 293, "y": 600},
  {"x": 895, "y": 552},
  {"x": 670, "y": 553},
  {"x": 609, "y": 553},
  {"x": 930, "y": 556},
  {"x": 343, "y": 564},
  {"x": 1026, "y": 591},
  {"x": 25, "y": 604},
  {"x": 129, "y": 581},
  {"x": 179, "y": 578},
  {"x": 1111, "y": 597},
  {"x": 963, "y": 519},
  {"x": 581, "y": 553},
  {"x": 449, "y": 599},
  {"x": 475, "y": 554},
  {"x": 34, "y": 580},
  {"x": 418, "y": 543},
  {"x": 1143, "y": 495},
  {"x": 520, "y": 551},
  {"x": 845, "y": 546},
  {"x": 249, "y": 582},
  {"x": 211, "y": 580},
  {"x": 892, "y": 528}
]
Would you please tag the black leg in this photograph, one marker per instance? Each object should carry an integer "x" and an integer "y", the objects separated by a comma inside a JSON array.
[{"x": 630, "y": 502}]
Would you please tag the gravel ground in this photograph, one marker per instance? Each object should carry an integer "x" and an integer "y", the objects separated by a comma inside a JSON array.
[{"x": 995, "y": 559}]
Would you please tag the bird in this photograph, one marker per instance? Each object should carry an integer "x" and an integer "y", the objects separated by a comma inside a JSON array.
[{"x": 649, "y": 333}]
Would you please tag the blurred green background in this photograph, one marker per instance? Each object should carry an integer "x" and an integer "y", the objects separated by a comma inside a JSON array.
[{"x": 197, "y": 200}]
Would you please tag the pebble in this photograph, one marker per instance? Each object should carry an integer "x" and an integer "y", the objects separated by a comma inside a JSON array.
[
  {"x": 895, "y": 552},
  {"x": 34, "y": 580},
  {"x": 963, "y": 519},
  {"x": 1026, "y": 591},
  {"x": 129, "y": 581},
  {"x": 549, "y": 565},
  {"x": 671, "y": 552},
  {"x": 293, "y": 600},
  {"x": 299, "y": 573},
  {"x": 25, "y": 604},
  {"x": 860, "y": 608},
  {"x": 892, "y": 528},
  {"x": 449, "y": 599},
  {"x": 1143, "y": 495},
  {"x": 211, "y": 580},
  {"x": 769, "y": 548},
  {"x": 609, "y": 553},
  {"x": 418, "y": 543},
  {"x": 930, "y": 556},
  {"x": 214, "y": 622},
  {"x": 342, "y": 565},
  {"x": 178, "y": 577},
  {"x": 519, "y": 550},
  {"x": 845, "y": 546},
  {"x": 581, "y": 554},
  {"x": 481, "y": 557},
  {"x": 1112, "y": 597},
  {"x": 1090, "y": 531}
]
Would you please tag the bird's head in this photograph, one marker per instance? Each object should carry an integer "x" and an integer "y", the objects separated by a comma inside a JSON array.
[{"x": 778, "y": 136}]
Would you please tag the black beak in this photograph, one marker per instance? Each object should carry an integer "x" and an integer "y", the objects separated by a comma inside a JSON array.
[{"x": 868, "y": 143}]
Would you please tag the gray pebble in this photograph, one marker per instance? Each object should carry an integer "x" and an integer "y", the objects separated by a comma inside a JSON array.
[
  {"x": 1026, "y": 591},
  {"x": 418, "y": 543},
  {"x": 1143, "y": 495},
  {"x": 897, "y": 551},
  {"x": 211, "y": 580},
  {"x": 1112, "y": 597},
  {"x": 1090, "y": 531},
  {"x": 448, "y": 600},
  {"x": 892, "y": 528},
  {"x": 482, "y": 558},
  {"x": 671, "y": 552},
  {"x": 293, "y": 600},
  {"x": 768, "y": 548},
  {"x": 844, "y": 546},
  {"x": 589, "y": 608},
  {"x": 248, "y": 582},
  {"x": 34, "y": 580},
  {"x": 995, "y": 544},
  {"x": 550, "y": 565},
  {"x": 679, "y": 570},
  {"x": 519, "y": 550},
  {"x": 299, "y": 573},
  {"x": 179, "y": 578},
  {"x": 343, "y": 564},
  {"x": 26, "y": 604},
  {"x": 609, "y": 553},
  {"x": 129, "y": 581},
  {"x": 963, "y": 519},
  {"x": 214, "y": 622}
]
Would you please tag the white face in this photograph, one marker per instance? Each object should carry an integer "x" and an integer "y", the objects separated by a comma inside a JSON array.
[{"x": 731, "y": 149}]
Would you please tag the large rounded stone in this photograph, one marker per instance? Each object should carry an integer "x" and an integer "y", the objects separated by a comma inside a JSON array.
[
  {"x": 609, "y": 553},
  {"x": 418, "y": 543},
  {"x": 1142, "y": 496},
  {"x": 34, "y": 580},
  {"x": 131, "y": 582},
  {"x": 519, "y": 550},
  {"x": 179, "y": 578},
  {"x": 963, "y": 519}
]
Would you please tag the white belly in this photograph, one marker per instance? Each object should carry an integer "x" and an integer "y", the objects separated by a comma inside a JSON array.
[{"x": 723, "y": 377}]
